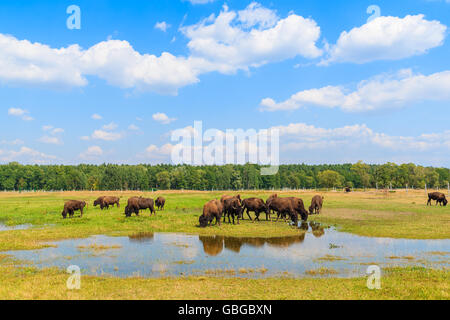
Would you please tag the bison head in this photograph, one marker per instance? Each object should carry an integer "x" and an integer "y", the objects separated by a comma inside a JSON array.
[
  {"x": 64, "y": 214},
  {"x": 203, "y": 221},
  {"x": 445, "y": 202},
  {"x": 96, "y": 202}
]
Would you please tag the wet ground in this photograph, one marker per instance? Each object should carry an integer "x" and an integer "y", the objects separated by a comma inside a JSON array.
[
  {"x": 18, "y": 227},
  {"x": 318, "y": 252}
]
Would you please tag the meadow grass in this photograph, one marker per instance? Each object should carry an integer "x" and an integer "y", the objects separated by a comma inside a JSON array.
[
  {"x": 50, "y": 283},
  {"x": 376, "y": 214}
]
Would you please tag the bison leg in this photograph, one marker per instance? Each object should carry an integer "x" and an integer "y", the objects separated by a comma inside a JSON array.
[{"x": 249, "y": 215}]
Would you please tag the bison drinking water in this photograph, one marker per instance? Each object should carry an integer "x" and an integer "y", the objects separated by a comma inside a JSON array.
[
  {"x": 160, "y": 202},
  {"x": 106, "y": 201},
  {"x": 316, "y": 205},
  {"x": 138, "y": 203},
  {"x": 438, "y": 197},
  {"x": 212, "y": 209},
  {"x": 71, "y": 206}
]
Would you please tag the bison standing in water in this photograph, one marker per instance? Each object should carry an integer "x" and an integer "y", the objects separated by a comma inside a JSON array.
[
  {"x": 439, "y": 197},
  {"x": 107, "y": 201},
  {"x": 71, "y": 206},
  {"x": 212, "y": 209},
  {"x": 316, "y": 205},
  {"x": 160, "y": 202},
  {"x": 138, "y": 203},
  {"x": 257, "y": 206}
]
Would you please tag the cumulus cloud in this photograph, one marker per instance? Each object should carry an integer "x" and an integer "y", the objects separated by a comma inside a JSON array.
[
  {"x": 50, "y": 140},
  {"x": 21, "y": 113},
  {"x": 383, "y": 91},
  {"x": 106, "y": 135},
  {"x": 163, "y": 26},
  {"x": 111, "y": 126},
  {"x": 226, "y": 44},
  {"x": 91, "y": 153},
  {"x": 162, "y": 118},
  {"x": 387, "y": 38},
  {"x": 26, "y": 155},
  {"x": 298, "y": 136},
  {"x": 96, "y": 116}
]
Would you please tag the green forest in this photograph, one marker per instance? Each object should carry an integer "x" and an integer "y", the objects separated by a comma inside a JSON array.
[{"x": 14, "y": 176}]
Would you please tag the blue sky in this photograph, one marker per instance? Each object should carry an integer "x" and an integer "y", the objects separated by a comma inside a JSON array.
[{"x": 378, "y": 92}]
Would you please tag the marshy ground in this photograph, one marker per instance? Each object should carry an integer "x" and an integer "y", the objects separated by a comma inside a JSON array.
[{"x": 370, "y": 214}]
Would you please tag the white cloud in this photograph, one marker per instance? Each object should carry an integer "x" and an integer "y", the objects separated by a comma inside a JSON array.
[
  {"x": 133, "y": 127},
  {"x": 25, "y": 155},
  {"x": 163, "y": 26},
  {"x": 226, "y": 46},
  {"x": 384, "y": 91},
  {"x": 111, "y": 126},
  {"x": 297, "y": 136},
  {"x": 387, "y": 38},
  {"x": 50, "y": 140},
  {"x": 96, "y": 116},
  {"x": 12, "y": 142},
  {"x": 85, "y": 138},
  {"x": 17, "y": 112},
  {"x": 106, "y": 135},
  {"x": 227, "y": 43},
  {"x": 91, "y": 153},
  {"x": 255, "y": 15},
  {"x": 162, "y": 118}
]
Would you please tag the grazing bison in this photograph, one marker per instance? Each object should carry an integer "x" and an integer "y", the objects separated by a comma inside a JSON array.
[
  {"x": 160, "y": 202},
  {"x": 225, "y": 196},
  {"x": 107, "y": 201},
  {"x": 232, "y": 207},
  {"x": 299, "y": 208},
  {"x": 138, "y": 203},
  {"x": 71, "y": 206},
  {"x": 347, "y": 189},
  {"x": 212, "y": 209},
  {"x": 316, "y": 205},
  {"x": 283, "y": 207},
  {"x": 257, "y": 206},
  {"x": 438, "y": 197}
]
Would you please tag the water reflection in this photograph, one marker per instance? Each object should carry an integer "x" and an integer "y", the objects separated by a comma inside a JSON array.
[{"x": 162, "y": 254}]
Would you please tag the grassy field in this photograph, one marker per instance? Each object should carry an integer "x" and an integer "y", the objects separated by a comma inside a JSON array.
[{"x": 376, "y": 214}]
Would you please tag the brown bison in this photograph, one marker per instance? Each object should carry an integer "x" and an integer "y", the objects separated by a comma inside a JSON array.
[
  {"x": 160, "y": 202},
  {"x": 138, "y": 203},
  {"x": 257, "y": 206},
  {"x": 71, "y": 206},
  {"x": 212, "y": 209},
  {"x": 283, "y": 207},
  {"x": 438, "y": 197},
  {"x": 106, "y": 201},
  {"x": 232, "y": 207},
  {"x": 225, "y": 196},
  {"x": 316, "y": 205}
]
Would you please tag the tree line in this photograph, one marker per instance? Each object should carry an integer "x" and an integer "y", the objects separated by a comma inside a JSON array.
[{"x": 14, "y": 176}]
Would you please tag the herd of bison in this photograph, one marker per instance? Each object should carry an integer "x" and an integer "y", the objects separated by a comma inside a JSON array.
[{"x": 231, "y": 207}]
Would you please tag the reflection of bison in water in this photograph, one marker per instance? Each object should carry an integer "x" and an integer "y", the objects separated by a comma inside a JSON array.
[
  {"x": 232, "y": 207},
  {"x": 71, "y": 206},
  {"x": 212, "y": 209},
  {"x": 135, "y": 204},
  {"x": 316, "y": 205},
  {"x": 438, "y": 197},
  {"x": 213, "y": 245},
  {"x": 160, "y": 202},
  {"x": 257, "y": 206},
  {"x": 106, "y": 201}
]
